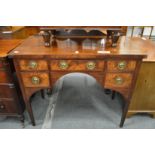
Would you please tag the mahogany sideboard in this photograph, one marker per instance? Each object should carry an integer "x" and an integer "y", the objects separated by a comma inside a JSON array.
[
  {"x": 39, "y": 67},
  {"x": 10, "y": 96}
]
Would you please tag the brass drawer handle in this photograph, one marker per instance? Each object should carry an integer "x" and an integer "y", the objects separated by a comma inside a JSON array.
[
  {"x": 35, "y": 80},
  {"x": 33, "y": 64},
  {"x": 91, "y": 65},
  {"x": 63, "y": 65},
  {"x": 2, "y": 106},
  {"x": 119, "y": 80},
  {"x": 122, "y": 65}
]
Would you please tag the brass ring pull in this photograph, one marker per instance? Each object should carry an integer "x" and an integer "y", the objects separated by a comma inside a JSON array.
[
  {"x": 91, "y": 65},
  {"x": 63, "y": 65},
  {"x": 33, "y": 64},
  {"x": 35, "y": 80},
  {"x": 2, "y": 106},
  {"x": 122, "y": 65},
  {"x": 119, "y": 80}
]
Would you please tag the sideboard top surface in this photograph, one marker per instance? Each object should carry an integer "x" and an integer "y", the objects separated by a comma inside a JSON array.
[
  {"x": 8, "y": 45},
  {"x": 34, "y": 46}
]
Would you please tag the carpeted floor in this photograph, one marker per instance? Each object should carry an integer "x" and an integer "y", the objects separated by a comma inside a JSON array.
[{"x": 78, "y": 102}]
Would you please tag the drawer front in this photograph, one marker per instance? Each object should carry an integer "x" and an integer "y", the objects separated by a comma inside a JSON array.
[
  {"x": 121, "y": 65},
  {"x": 121, "y": 80},
  {"x": 5, "y": 77},
  {"x": 29, "y": 65},
  {"x": 7, "y": 91},
  {"x": 4, "y": 65},
  {"x": 77, "y": 65},
  {"x": 8, "y": 106},
  {"x": 38, "y": 79},
  {"x": 1, "y": 65}
]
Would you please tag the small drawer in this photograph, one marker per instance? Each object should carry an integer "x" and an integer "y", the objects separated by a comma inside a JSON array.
[
  {"x": 77, "y": 65},
  {"x": 37, "y": 79},
  {"x": 1, "y": 65},
  {"x": 121, "y": 65},
  {"x": 7, "y": 91},
  {"x": 8, "y": 106},
  {"x": 26, "y": 65},
  {"x": 122, "y": 80},
  {"x": 4, "y": 65},
  {"x": 5, "y": 77}
]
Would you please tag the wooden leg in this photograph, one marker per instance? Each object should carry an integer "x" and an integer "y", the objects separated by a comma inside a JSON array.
[
  {"x": 42, "y": 94},
  {"x": 29, "y": 109},
  {"x": 113, "y": 95},
  {"x": 49, "y": 92},
  {"x": 153, "y": 115},
  {"x": 22, "y": 118},
  {"x": 124, "y": 113},
  {"x": 107, "y": 91}
]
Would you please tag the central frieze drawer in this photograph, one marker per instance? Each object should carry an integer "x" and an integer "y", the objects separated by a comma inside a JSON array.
[
  {"x": 121, "y": 80},
  {"x": 38, "y": 79},
  {"x": 121, "y": 65},
  {"x": 29, "y": 65},
  {"x": 77, "y": 65}
]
